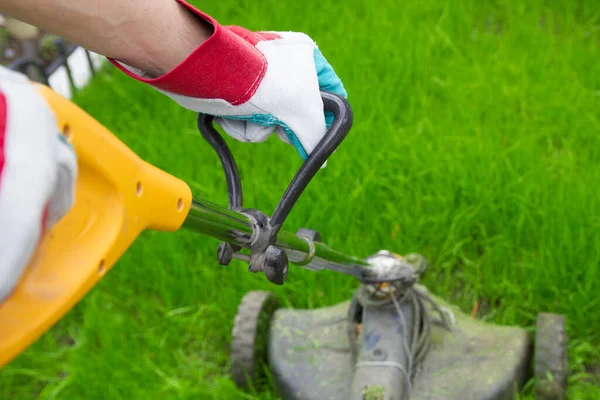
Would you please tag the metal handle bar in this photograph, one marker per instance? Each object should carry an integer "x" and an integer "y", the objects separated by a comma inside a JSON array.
[
  {"x": 333, "y": 138},
  {"x": 232, "y": 175}
]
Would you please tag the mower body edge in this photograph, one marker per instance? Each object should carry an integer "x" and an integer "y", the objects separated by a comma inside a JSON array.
[{"x": 311, "y": 358}]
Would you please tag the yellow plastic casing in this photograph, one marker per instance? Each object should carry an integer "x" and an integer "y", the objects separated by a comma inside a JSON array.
[{"x": 118, "y": 195}]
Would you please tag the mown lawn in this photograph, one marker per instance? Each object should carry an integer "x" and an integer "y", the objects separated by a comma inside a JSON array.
[{"x": 476, "y": 143}]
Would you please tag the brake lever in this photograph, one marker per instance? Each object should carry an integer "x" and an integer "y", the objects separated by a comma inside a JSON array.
[{"x": 264, "y": 256}]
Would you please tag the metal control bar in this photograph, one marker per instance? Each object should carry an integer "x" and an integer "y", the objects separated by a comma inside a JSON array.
[
  {"x": 252, "y": 235},
  {"x": 237, "y": 229}
]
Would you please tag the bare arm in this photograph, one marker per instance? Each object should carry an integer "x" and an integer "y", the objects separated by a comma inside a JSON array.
[{"x": 152, "y": 35}]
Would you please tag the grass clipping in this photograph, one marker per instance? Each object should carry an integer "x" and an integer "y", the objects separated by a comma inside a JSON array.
[{"x": 373, "y": 392}]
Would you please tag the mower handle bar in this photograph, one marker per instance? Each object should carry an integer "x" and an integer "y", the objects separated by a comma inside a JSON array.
[{"x": 337, "y": 105}]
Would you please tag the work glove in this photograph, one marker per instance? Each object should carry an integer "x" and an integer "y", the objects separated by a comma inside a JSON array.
[
  {"x": 38, "y": 170},
  {"x": 255, "y": 83}
]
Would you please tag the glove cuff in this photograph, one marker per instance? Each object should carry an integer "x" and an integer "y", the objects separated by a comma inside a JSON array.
[{"x": 224, "y": 66}]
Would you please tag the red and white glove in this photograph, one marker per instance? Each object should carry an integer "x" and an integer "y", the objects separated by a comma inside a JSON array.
[
  {"x": 258, "y": 82},
  {"x": 38, "y": 170}
]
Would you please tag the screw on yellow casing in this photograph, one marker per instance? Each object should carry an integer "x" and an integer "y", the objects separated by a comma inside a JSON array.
[{"x": 118, "y": 195}]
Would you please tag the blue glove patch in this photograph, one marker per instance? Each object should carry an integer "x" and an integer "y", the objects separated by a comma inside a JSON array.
[{"x": 328, "y": 81}]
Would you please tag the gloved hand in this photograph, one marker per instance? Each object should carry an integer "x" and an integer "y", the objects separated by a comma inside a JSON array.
[
  {"x": 256, "y": 83},
  {"x": 38, "y": 170}
]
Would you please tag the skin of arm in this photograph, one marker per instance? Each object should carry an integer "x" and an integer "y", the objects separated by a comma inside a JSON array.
[{"x": 151, "y": 35}]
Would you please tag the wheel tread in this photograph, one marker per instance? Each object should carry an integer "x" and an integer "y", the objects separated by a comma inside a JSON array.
[
  {"x": 244, "y": 366},
  {"x": 550, "y": 357}
]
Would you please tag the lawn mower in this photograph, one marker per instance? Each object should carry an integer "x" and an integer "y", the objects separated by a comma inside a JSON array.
[{"x": 392, "y": 340}]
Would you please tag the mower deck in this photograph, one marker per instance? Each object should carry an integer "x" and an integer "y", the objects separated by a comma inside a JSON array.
[{"x": 310, "y": 357}]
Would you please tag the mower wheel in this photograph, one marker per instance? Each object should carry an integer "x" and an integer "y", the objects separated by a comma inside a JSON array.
[
  {"x": 551, "y": 357},
  {"x": 250, "y": 337}
]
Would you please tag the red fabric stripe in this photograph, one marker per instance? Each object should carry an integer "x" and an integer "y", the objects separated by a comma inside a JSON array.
[
  {"x": 45, "y": 218},
  {"x": 224, "y": 67},
  {"x": 268, "y": 35},
  {"x": 3, "y": 114},
  {"x": 252, "y": 37}
]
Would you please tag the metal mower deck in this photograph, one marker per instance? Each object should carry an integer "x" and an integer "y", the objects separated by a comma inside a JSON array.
[{"x": 310, "y": 357}]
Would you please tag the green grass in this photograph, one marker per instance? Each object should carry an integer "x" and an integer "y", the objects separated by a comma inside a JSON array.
[{"x": 476, "y": 143}]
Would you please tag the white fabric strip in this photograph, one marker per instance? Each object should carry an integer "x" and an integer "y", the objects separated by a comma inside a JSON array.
[{"x": 28, "y": 176}]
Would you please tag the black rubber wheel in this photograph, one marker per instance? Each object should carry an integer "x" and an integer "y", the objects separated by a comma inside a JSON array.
[
  {"x": 551, "y": 363},
  {"x": 250, "y": 337}
]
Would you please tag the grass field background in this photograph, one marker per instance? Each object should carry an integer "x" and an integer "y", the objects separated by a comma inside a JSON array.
[{"x": 476, "y": 143}]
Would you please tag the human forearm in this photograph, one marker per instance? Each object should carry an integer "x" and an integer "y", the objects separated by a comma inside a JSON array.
[{"x": 152, "y": 35}]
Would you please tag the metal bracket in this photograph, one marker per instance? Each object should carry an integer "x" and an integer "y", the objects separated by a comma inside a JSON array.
[{"x": 311, "y": 254}]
